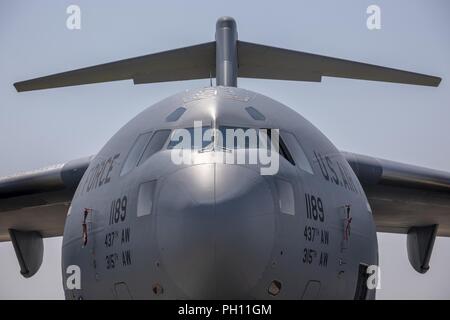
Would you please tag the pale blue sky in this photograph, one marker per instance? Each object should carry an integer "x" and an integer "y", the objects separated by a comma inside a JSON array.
[{"x": 398, "y": 122}]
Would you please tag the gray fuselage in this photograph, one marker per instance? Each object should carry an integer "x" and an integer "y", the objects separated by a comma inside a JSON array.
[{"x": 214, "y": 230}]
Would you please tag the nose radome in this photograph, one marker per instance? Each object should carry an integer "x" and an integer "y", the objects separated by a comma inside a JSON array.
[
  {"x": 245, "y": 229},
  {"x": 215, "y": 227}
]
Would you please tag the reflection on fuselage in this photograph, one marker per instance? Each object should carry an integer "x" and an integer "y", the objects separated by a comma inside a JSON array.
[{"x": 211, "y": 229}]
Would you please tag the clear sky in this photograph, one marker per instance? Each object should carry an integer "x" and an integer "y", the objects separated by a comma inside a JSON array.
[{"x": 398, "y": 122}]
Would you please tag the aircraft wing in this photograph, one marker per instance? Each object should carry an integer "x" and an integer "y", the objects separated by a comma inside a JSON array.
[
  {"x": 404, "y": 196},
  {"x": 38, "y": 201},
  {"x": 401, "y": 196}
]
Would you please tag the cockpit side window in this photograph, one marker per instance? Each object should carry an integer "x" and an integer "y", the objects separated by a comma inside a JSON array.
[
  {"x": 255, "y": 114},
  {"x": 284, "y": 151},
  {"x": 175, "y": 115},
  {"x": 135, "y": 153},
  {"x": 156, "y": 143},
  {"x": 297, "y": 151}
]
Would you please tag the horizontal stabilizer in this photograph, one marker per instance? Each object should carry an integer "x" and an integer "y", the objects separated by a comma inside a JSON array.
[
  {"x": 203, "y": 61},
  {"x": 195, "y": 62},
  {"x": 264, "y": 62}
]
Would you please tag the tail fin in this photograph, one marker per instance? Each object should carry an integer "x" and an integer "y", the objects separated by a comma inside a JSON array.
[{"x": 227, "y": 58}]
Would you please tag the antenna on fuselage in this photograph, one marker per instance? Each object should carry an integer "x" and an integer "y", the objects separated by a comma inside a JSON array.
[{"x": 227, "y": 58}]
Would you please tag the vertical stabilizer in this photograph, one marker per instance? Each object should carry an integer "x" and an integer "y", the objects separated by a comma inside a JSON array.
[{"x": 226, "y": 52}]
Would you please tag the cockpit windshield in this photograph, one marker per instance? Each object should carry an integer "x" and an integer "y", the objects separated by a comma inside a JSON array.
[
  {"x": 226, "y": 137},
  {"x": 191, "y": 138},
  {"x": 241, "y": 138}
]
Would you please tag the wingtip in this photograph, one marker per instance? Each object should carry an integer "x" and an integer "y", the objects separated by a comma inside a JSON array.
[
  {"x": 433, "y": 81},
  {"x": 438, "y": 81},
  {"x": 22, "y": 86},
  {"x": 17, "y": 86}
]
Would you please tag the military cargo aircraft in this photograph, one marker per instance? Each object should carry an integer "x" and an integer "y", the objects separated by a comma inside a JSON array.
[{"x": 136, "y": 225}]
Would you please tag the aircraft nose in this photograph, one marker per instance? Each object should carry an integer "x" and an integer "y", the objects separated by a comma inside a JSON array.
[{"x": 215, "y": 230}]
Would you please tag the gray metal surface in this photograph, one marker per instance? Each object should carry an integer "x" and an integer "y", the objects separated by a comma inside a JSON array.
[
  {"x": 194, "y": 62},
  {"x": 29, "y": 249},
  {"x": 265, "y": 62},
  {"x": 420, "y": 244},
  {"x": 39, "y": 200},
  {"x": 226, "y": 52},
  {"x": 219, "y": 230},
  {"x": 372, "y": 171},
  {"x": 403, "y": 196}
]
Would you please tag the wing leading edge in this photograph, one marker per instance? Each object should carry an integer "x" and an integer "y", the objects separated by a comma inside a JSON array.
[
  {"x": 254, "y": 61},
  {"x": 404, "y": 196},
  {"x": 38, "y": 201}
]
